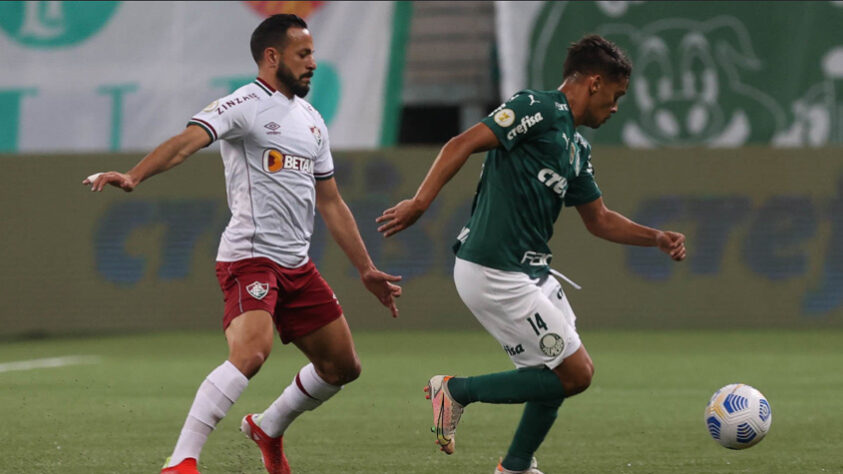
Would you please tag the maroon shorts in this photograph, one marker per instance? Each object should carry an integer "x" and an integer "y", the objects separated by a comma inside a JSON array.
[{"x": 299, "y": 299}]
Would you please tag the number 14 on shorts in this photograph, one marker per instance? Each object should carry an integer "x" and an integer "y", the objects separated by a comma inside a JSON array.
[{"x": 537, "y": 323}]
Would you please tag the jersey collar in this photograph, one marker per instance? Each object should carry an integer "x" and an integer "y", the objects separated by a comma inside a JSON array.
[
  {"x": 272, "y": 92},
  {"x": 265, "y": 86}
]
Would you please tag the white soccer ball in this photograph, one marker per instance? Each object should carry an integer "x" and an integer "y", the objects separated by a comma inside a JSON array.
[{"x": 738, "y": 416}]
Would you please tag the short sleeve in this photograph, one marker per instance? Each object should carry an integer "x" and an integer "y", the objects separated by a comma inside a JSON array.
[
  {"x": 526, "y": 115},
  {"x": 583, "y": 189},
  {"x": 323, "y": 166},
  {"x": 228, "y": 118}
]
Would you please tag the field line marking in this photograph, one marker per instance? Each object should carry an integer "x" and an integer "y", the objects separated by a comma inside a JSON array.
[{"x": 47, "y": 363}]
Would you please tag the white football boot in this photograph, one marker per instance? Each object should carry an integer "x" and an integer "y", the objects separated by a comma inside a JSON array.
[
  {"x": 446, "y": 412},
  {"x": 533, "y": 469}
]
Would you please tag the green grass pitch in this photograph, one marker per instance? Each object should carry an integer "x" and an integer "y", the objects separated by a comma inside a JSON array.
[{"x": 642, "y": 414}]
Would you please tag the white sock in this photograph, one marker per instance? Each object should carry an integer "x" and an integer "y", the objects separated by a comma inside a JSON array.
[
  {"x": 215, "y": 396},
  {"x": 306, "y": 392}
]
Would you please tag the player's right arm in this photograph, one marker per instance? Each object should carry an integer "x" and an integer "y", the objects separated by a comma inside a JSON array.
[
  {"x": 230, "y": 117},
  {"x": 451, "y": 159},
  {"x": 163, "y": 157},
  {"x": 518, "y": 119}
]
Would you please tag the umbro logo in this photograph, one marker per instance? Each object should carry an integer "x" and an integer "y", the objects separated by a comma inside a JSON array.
[{"x": 273, "y": 128}]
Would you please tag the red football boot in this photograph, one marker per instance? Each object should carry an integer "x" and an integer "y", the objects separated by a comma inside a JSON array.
[
  {"x": 188, "y": 466},
  {"x": 272, "y": 449}
]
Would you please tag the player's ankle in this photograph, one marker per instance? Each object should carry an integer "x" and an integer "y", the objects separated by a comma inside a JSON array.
[
  {"x": 458, "y": 389},
  {"x": 516, "y": 463}
]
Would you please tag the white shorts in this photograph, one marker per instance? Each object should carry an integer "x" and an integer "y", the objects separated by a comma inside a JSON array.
[{"x": 530, "y": 318}]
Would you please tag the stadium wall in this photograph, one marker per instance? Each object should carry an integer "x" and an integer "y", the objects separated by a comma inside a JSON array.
[{"x": 764, "y": 228}]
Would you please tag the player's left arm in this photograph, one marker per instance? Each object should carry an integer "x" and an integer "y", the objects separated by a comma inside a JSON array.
[
  {"x": 343, "y": 228},
  {"x": 613, "y": 226}
]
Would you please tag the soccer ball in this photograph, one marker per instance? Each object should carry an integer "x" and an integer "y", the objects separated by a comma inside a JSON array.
[{"x": 738, "y": 416}]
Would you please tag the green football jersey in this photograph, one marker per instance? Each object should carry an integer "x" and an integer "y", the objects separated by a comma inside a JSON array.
[{"x": 541, "y": 165}]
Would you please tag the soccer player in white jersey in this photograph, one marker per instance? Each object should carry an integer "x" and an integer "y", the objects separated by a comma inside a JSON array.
[
  {"x": 278, "y": 171},
  {"x": 536, "y": 164}
]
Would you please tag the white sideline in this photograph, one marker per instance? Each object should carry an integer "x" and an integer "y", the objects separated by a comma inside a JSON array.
[{"x": 47, "y": 363}]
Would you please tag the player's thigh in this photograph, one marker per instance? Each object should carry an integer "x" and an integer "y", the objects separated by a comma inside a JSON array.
[
  {"x": 554, "y": 292},
  {"x": 549, "y": 330},
  {"x": 531, "y": 328},
  {"x": 247, "y": 285},
  {"x": 250, "y": 329},
  {"x": 308, "y": 305},
  {"x": 250, "y": 337}
]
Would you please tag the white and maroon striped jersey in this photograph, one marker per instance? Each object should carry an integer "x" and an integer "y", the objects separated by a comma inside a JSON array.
[{"x": 274, "y": 149}]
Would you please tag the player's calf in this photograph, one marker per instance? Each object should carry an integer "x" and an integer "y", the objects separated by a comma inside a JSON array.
[{"x": 306, "y": 392}]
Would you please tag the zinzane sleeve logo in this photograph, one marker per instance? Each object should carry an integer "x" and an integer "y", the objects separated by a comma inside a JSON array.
[{"x": 229, "y": 117}]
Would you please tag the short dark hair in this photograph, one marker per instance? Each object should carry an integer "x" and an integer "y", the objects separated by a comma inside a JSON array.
[
  {"x": 273, "y": 32},
  {"x": 594, "y": 54}
]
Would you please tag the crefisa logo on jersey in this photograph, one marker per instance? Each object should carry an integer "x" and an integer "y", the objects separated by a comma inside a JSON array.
[
  {"x": 554, "y": 181},
  {"x": 527, "y": 122},
  {"x": 275, "y": 161},
  {"x": 519, "y": 349}
]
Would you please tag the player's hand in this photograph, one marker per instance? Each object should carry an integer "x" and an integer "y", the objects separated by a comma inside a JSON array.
[
  {"x": 673, "y": 244},
  {"x": 380, "y": 284},
  {"x": 97, "y": 181},
  {"x": 399, "y": 217}
]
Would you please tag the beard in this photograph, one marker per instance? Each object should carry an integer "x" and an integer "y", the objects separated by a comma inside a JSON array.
[{"x": 286, "y": 77}]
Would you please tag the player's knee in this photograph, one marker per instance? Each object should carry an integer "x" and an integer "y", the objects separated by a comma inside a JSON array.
[
  {"x": 578, "y": 381},
  {"x": 341, "y": 373},
  {"x": 353, "y": 372},
  {"x": 350, "y": 372},
  {"x": 576, "y": 385},
  {"x": 249, "y": 362}
]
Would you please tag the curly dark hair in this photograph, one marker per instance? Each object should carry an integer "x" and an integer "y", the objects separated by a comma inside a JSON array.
[
  {"x": 273, "y": 32},
  {"x": 594, "y": 54}
]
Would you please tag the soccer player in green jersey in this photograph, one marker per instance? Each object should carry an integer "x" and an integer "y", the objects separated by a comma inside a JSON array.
[{"x": 536, "y": 163}]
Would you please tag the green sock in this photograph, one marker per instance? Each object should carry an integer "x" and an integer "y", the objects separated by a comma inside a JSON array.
[
  {"x": 539, "y": 387},
  {"x": 533, "y": 384},
  {"x": 536, "y": 421}
]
